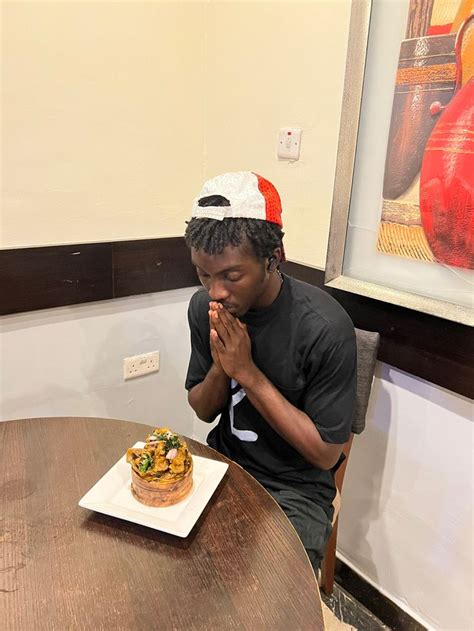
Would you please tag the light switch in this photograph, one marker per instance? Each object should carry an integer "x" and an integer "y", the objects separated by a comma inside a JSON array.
[{"x": 289, "y": 140}]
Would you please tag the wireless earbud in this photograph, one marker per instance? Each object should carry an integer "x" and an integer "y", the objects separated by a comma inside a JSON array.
[{"x": 271, "y": 263}]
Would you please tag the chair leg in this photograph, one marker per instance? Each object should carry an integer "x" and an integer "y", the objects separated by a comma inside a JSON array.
[{"x": 328, "y": 565}]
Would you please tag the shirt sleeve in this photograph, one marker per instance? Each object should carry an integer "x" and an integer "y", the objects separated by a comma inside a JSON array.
[
  {"x": 201, "y": 358},
  {"x": 331, "y": 391}
]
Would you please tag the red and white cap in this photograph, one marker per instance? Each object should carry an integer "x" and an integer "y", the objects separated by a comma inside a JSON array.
[{"x": 249, "y": 195}]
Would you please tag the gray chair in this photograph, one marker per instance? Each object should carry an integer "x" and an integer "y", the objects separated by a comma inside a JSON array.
[{"x": 367, "y": 349}]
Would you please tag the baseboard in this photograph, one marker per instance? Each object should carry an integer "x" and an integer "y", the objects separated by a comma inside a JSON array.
[{"x": 390, "y": 610}]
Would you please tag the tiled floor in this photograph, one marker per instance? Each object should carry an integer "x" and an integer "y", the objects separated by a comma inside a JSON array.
[{"x": 347, "y": 609}]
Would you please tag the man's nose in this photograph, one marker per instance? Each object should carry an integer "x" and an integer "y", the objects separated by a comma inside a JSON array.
[{"x": 217, "y": 291}]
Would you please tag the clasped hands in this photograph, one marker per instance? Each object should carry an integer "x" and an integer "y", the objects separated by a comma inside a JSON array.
[{"x": 231, "y": 347}]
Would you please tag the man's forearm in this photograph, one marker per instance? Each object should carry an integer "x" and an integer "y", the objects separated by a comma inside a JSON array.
[
  {"x": 209, "y": 397},
  {"x": 292, "y": 424}
]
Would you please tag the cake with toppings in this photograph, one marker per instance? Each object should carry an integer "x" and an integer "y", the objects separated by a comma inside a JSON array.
[{"x": 162, "y": 470}]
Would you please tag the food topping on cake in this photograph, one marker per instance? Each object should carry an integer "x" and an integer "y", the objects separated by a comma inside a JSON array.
[{"x": 164, "y": 457}]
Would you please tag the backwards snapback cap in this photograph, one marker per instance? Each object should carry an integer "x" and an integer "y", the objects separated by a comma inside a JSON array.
[{"x": 248, "y": 195}]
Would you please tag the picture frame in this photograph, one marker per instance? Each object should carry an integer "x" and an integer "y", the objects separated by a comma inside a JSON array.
[{"x": 336, "y": 274}]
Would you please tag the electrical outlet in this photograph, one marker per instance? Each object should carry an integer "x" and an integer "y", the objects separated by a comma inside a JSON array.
[{"x": 141, "y": 365}]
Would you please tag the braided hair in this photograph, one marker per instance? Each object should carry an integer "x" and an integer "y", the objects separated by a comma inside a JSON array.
[{"x": 213, "y": 235}]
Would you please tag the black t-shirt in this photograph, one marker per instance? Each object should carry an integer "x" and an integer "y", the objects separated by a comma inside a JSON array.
[{"x": 304, "y": 343}]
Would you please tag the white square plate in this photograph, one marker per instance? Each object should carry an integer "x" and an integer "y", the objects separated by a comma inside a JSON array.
[{"x": 111, "y": 495}]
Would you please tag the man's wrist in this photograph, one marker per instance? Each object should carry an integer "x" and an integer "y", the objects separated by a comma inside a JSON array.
[
  {"x": 217, "y": 371},
  {"x": 249, "y": 377}
]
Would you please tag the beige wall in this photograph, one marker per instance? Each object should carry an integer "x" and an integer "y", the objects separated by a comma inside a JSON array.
[
  {"x": 102, "y": 119},
  {"x": 270, "y": 65},
  {"x": 114, "y": 113}
]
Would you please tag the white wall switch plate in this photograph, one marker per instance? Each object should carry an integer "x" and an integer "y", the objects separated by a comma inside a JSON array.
[
  {"x": 289, "y": 141},
  {"x": 141, "y": 365}
]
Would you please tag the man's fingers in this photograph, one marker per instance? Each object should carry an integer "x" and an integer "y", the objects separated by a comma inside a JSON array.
[
  {"x": 227, "y": 319},
  {"x": 220, "y": 326},
  {"x": 211, "y": 318},
  {"x": 232, "y": 323},
  {"x": 242, "y": 325},
  {"x": 216, "y": 341}
]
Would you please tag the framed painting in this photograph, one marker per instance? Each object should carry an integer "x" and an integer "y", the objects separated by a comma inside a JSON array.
[{"x": 402, "y": 222}]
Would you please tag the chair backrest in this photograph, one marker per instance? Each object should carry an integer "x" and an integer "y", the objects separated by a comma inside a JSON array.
[{"x": 367, "y": 348}]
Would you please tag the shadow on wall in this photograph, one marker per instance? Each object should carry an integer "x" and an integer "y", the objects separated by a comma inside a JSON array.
[
  {"x": 44, "y": 402},
  {"x": 157, "y": 399},
  {"x": 69, "y": 361},
  {"x": 364, "y": 499}
]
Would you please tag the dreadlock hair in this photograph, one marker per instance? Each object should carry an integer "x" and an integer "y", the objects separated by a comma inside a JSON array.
[{"x": 213, "y": 235}]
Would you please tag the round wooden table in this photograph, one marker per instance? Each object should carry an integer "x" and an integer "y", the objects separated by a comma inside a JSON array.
[{"x": 64, "y": 567}]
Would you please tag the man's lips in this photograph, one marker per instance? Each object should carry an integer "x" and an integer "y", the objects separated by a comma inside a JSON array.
[
  {"x": 227, "y": 305},
  {"x": 232, "y": 308}
]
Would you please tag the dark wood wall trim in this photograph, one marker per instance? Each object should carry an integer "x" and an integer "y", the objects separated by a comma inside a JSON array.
[
  {"x": 142, "y": 267},
  {"x": 42, "y": 278},
  {"x": 38, "y": 278},
  {"x": 434, "y": 349}
]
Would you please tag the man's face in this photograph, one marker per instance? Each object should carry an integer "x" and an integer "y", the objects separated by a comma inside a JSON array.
[{"x": 235, "y": 278}]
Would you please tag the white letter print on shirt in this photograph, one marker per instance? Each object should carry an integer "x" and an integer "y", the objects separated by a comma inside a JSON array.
[{"x": 244, "y": 435}]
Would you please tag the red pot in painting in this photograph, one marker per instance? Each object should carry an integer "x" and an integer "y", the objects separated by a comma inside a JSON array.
[{"x": 447, "y": 182}]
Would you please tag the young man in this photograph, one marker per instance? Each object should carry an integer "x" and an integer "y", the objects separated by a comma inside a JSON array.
[{"x": 274, "y": 356}]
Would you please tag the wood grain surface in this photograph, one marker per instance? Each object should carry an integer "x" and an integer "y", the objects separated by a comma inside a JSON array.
[
  {"x": 64, "y": 567},
  {"x": 55, "y": 276},
  {"x": 150, "y": 265},
  {"x": 42, "y": 278}
]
